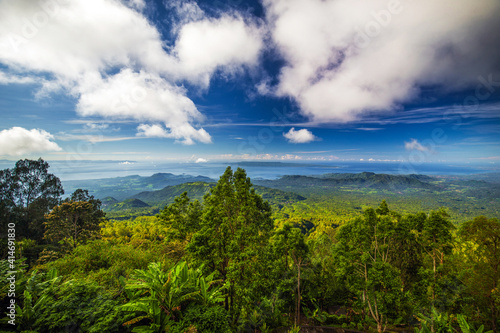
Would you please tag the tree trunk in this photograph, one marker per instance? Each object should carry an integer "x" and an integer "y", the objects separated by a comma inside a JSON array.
[
  {"x": 75, "y": 222},
  {"x": 493, "y": 315},
  {"x": 297, "y": 315}
]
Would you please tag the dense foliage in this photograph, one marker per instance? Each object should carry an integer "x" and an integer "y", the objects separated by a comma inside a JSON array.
[{"x": 232, "y": 262}]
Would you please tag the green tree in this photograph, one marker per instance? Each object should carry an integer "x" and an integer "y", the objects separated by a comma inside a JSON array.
[
  {"x": 363, "y": 253},
  {"x": 290, "y": 242},
  {"x": 435, "y": 237},
  {"x": 83, "y": 195},
  {"x": 74, "y": 221},
  {"x": 182, "y": 217},
  {"x": 480, "y": 247},
  {"x": 7, "y": 203},
  {"x": 235, "y": 227},
  {"x": 27, "y": 192},
  {"x": 408, "y": 254}
]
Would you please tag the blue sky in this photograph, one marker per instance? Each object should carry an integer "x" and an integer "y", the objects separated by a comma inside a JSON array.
[{"x": 259, "y": 80}]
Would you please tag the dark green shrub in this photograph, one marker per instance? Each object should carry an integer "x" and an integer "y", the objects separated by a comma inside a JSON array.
[{"x": 214, "y": 319}]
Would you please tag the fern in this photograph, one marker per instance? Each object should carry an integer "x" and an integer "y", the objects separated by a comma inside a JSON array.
[
  {"x": 466, "y": 328},
  {"x": 161, "y": 295}
]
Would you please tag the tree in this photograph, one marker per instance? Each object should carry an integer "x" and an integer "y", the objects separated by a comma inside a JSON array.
[
  {"x": 435, "y": 237},
  {"x": 28, "y": 192},
  {"x": 182, "y": 217},
  {"x": 7, "y": 203},
  {"x": 290, "y": 242},
  {"x": 234, "y": 229},
  {"x": 363, "y": 253},
  {"x": 408, "y": 254},
  {"x": 83, "y": 195},
  {"x": 75, "y": 221},
  {"x": 481, "y": 249}
]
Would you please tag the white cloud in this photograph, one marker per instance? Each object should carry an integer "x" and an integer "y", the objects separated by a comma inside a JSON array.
[
  {"x": 185, "y": 134},
  {"x": 95, "y": 126},
  {"x": 109, "y": 57},
  {"x": 201, "y": 160},
  {"x": 142, "y": 97},
  {"x": 93, "y": 138},
  {"x": 184, "y": 12},
  {"x": 70, "y": 38},
  {"x": 18, "y": 141},
  {"x": 347, "y": 58},
  {"x": 415, "y": 145},
  {"x": 300, "y": 136},
  {"x": 136, "y": 4},
  {"x": 206, "y": 45},
  {"x": 8, "y": 79},
  {"x": 151, "y": 131}
]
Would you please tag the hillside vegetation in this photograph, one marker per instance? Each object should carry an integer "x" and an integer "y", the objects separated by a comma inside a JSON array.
[{"x": 230, "y": 256}]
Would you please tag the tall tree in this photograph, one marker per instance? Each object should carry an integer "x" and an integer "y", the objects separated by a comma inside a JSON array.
[
  {"x": 83, "y": 195},
  {"x": 436, "y": 239},
  {"x": 75, "y": 220},
  {"x": 7, "y": 203},
  {"x": 408, "y": 254},
  {"x": 290, "y": 242},
  {"x": 29, "y": 191},
  {"x": 182, "y": 217},
  {"x": 363, "y": 252},
  {"x": 234, "y": 228},
  {"x": 481, "y": 251}
]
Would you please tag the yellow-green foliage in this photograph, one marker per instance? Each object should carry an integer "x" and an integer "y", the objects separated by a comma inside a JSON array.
[
  {"x": 104, "y": 263},
  {"x": 123, "y": 247},
  {"x": 138, "y": 231}
]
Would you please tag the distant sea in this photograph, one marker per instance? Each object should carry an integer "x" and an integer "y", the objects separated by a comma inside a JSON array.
[{"x": 79, "y": 170}]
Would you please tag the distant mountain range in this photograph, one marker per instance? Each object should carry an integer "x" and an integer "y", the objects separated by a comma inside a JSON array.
[
  {"x": 334, "y": 181},
  {"x": 195, "y": 190},
  {"x": 122, "y": 188},
  {"x": 137, "y": 193}
]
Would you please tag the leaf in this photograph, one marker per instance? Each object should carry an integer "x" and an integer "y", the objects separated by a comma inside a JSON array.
[
  {"x": 464, "y": 326},
  {"x": 135, "y": 320}
]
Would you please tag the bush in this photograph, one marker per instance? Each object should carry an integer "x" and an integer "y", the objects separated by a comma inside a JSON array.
[
  {"x": 214, "y": 319},
  {"x": 80, "y": 306},
  {"x": 103, "y": 263}
]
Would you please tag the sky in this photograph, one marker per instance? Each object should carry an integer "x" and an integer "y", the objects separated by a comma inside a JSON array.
[{"x": 291, "y": 80}]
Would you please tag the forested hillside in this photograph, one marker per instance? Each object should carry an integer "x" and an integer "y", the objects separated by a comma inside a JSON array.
[
  {"x": 124, "y": 187},
  {"x": 327, "y": 197},
  {"x": 345, "y": 251}
]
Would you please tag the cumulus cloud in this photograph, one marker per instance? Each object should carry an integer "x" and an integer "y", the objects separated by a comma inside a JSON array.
[
  {"x": 17, "y": 141},
  {"x": 201, "y": 160},
  {"x": 109, "y": 57},
  {"x": 205, "y": 45},
  {"x": 142, "y": 97},
  {"x": 69, "y": 38},
  {"x": 152, "y": 131},
  {"x": 415, "y": 145},
  {"x": 185, "y": 134},
  {"x": 347, "y": 58},
  {"x": 300, "y": 136}
]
